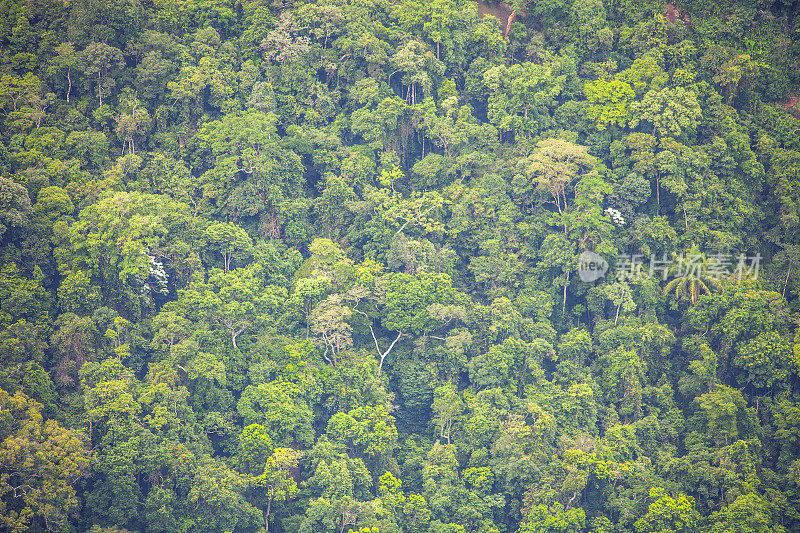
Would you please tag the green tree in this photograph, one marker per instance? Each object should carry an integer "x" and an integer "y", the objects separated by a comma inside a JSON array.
[
  {"x": 441, "y": 483},
  {"x": 100, "y": 64},
  {"x": 540, "y": 519},
  {"x": 695, "y": 278},
  {"x": 609, "y": 102},
  {"x": 379, "y": 115},
  {"x": 749, "y": 512},
  {"x": 21, "y": 296},
  {"x": 15, "y": 90},
  {"x": 644, "y": 74},
  {"x": 133, "y": 120},
  {"x": 552, "y": 168},
  {"x": 725, "y": 414},
  {"x": 15, "y": 207},
  {"x": 306, "y": 294},
  {"x": 764, "y": 360},
  {"x": 368, "y": 430},
  {"x": 64, "y": 64},
  {"x": 216, "y": 496},
  {"x": 418, "y": 67},
  {"x": 522, "y": 97},
  {"x": 330, "y": 327},
  {"x": 281, "y": 409},
  {"x": 667, "y": 514},
  {"x": 40, "y": 462},
  {"x": 447, "y": 406},
  {"x": 114, "y": 236},
  {"x": 238, "y": 301},
  {"x": 230, "y": 240},
  {"x": 590, "y": 26},
  {"x": 277, "y": 478},
  {"x": 255, "y": 447},
  {"x": 283, "y": 44},
  {"x": 75, "y": 342},
  {"x": 247, "y": 173},
  {"x": 673, "y": 112}
]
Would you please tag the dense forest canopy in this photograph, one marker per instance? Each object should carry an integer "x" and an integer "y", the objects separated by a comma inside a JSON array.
[{"x": 399, "y": 266}]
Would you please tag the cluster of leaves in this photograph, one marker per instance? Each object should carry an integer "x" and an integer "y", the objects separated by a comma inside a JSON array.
[{"x": 311, "y": 266}]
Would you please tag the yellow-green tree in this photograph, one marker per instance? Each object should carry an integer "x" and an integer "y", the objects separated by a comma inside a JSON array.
[
  {"x": 609, "y": 102},
  {"x": 40, "y": 461},
  {"x": 277, "y": 479},
  {"x": 667, "y": 514}
]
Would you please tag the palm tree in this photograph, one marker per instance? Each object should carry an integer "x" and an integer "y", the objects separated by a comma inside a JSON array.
[{"x": 693, "y": 277}]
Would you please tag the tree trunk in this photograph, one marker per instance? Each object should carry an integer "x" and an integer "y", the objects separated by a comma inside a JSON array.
[
  {"x": 658, "y": 195},
  {"x": 266, "y": 514},
  {"x": 234, "y": 333},
  {"x": 384, "y": 354},
  {"x": 787, "y": 279},
  {"x": 508, "y": 24},
  {"x": 618, "y": 306}
]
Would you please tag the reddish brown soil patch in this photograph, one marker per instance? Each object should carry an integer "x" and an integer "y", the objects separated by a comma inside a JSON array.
[
  {"x": 502, "y": 12},
  {"x": 672, "y": 15},
  {"x": 791, "y": 102}
]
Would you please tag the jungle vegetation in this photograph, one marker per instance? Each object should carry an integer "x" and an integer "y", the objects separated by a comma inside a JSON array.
[{"x": 314, "y": 266}]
